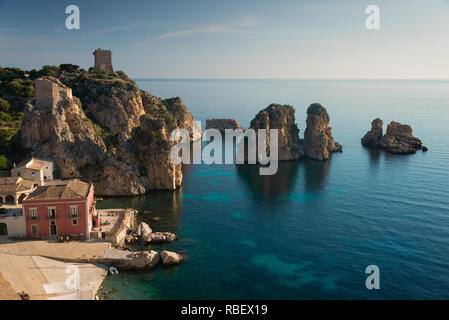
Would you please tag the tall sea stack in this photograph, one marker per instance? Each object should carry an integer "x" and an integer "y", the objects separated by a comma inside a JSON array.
[{"x": 318, "y": 140}]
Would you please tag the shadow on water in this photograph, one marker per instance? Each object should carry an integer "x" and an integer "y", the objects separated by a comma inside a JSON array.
[
  {"x": 270, "y": 187},
  {"x": 374, "y": 155},
  {"x": 316, "y": 174}
]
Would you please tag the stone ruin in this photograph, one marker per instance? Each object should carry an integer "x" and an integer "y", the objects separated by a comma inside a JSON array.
[
  {"x": 103, "y": 60},
  {"x": 49, "y": 92}
]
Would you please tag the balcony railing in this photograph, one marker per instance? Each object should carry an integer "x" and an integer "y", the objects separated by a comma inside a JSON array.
[
  {"x": 73, "y": 216},
  {"x": 52, "y": 217},
  {"x": 33, "y": 218}
]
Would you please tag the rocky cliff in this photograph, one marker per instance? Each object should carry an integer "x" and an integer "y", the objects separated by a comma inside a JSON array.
[
  {"x": 62, "y": 132},
  {"x": 115, "y": 135},
  {"x": 318, "y": 140},
  {"x": 372, "y": 137},
  {"x": 282, "y": 118},
  {"x": 398, "y": 139},
  {"x": 223, "y": 124}
]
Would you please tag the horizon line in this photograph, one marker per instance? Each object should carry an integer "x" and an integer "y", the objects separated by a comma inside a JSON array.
[{"x": 303, "y": 79}]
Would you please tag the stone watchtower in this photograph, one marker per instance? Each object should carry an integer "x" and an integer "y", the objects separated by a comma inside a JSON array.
[{"x": 103, "y": 60}]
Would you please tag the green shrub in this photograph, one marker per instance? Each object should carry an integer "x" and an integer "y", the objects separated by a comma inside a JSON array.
[
  {"x": 67, "y": 67},
  {"x": 9, "y": 74},
  {"x": 122, "y": 75},
  {"x": 5, "y": 117},
  {"x": 3, "y": 162},
  {"x": 119, "y": 84},
  {"x": 4, "y": 105},
  {"x": 319, "y": 110}
]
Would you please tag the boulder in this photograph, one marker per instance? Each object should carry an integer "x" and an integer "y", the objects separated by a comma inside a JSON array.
[
  {"x": 159, "y": 237},
  {"x": 399, "y": 139},
  {"x": 170, "y": 258},
  {"x": 318, "y": 140},
  {"x": 143, "y": 231},
  {"x": 372, "y": 137},
  {"x": 223, "y": 124},
  {"x": 122, "y": 259}
]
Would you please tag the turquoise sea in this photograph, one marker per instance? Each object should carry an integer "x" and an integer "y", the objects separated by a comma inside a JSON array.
[{"x": 310, "y": 231}]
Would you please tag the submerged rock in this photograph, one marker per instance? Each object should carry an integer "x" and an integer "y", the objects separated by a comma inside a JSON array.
[
  {"x": 223, "y": 124},
  {"x": 318, "y": 140},
  {"x": 170, "y": 258},
  {"x": 282, "y": 118},
  {"x": 372, "y": 137}
]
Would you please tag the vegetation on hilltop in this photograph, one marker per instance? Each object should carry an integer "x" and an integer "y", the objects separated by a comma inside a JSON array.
[{"x": 319, "y": 110}]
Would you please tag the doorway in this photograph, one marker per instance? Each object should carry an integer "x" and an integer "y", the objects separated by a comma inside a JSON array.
[
  {"x": 3, "y": 229},
  {"x": 53, "y": 231}
]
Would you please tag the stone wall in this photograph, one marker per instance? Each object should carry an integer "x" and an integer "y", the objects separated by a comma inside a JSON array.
[
  {"x": 49, "y": 92},
  {"x": 15, "y": 224},
  {"x": 126, "y": 222}
]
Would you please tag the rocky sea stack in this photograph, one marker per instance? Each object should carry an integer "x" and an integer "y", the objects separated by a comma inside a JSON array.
[
  {"x": 372, "y": 137},
  {"x": 398, "y": 139},
  {"x": 223, "y": 124},
  {"x": 318, "y": 140},
  {"x": 282, "y": 118}
]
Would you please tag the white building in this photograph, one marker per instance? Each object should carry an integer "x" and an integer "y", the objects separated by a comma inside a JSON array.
[{"x": 37, "y": 170}]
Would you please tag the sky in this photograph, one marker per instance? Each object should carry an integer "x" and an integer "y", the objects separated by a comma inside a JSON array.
[{"x": 261, "y": 39}]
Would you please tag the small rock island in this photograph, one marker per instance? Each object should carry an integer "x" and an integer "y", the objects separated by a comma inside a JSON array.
[{"x": 398, "y": 139}]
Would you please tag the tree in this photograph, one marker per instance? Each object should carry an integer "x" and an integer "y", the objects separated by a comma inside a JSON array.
[{"x": 4, "y": 105}]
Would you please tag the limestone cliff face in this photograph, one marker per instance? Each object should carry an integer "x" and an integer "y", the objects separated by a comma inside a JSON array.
[
  {"x": 282, "y": 118},
  {"x": 120, "y": 141},
  {"x": 114, "y": 104},
  {"x": 152, "y": 146},
  {"x": 372, "y": 137},
  {"x": 173, "y": 111},
  {"x": 318, "y": 140},
  {"x": 61, "y": 131}
]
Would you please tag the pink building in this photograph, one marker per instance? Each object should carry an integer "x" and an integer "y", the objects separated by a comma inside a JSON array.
[{"x": 65, "y": 208}]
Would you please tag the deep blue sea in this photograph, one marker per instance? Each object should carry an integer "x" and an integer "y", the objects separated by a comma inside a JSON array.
[{"x": 309, "y": 231}]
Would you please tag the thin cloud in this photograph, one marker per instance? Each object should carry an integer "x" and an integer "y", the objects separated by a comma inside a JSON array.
[
  {"x": 211, "y": 29},
  {"x": 102, "y": 31}
]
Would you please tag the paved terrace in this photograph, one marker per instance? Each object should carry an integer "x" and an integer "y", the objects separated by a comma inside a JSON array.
[
  {"x": 6, "y": 291},
  {"x": 38, "y": 268}
]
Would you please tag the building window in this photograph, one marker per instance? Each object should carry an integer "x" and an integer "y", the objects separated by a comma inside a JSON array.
[
  {"x": 34, "y": 230},
  {"x": 74, "y": 212},
  {"x": 33, "y": 174},
  {"x": 74, "y": 222},
  {"x": 52, "y": 213},
  {"x": 33, "y": 213}
]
